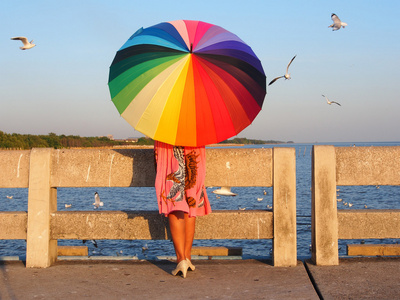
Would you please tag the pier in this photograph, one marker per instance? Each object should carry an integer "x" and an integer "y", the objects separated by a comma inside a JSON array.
[
  {"x": 353, "y": 278},
  {"x": 324, "y": 275}
]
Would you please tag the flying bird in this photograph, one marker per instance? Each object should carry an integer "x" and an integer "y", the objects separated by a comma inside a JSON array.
[
  {"x": 337, "y": 24},
  {"x": 224, "y": 191},
  {"x": 330, "y": 102},
  {"x": 97, "y": 201},
  {"x": 287, "y": 75},
  {"x": 27, "y": 45},
  {"x": 93, "y": 241}
]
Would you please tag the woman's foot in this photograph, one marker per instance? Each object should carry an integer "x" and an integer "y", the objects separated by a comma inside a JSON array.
[
  {"x": 182, "y": 267},
  {"x": 191, "y": 266}
]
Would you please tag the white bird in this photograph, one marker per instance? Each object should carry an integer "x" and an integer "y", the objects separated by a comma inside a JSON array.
[
  {"x": 260, "y": 199},
  {"x": 68, "y": 205},
  {"x": 287, "y": 75},
  {"x": 93, "y": 241},
  {"x": 9, "y": 197},
  {"x": 330, "y": 102},
  {"x": 337, "y": 24},
  {"x": 224, "y": 191},
  {"x": 24, "y": 40},
  {"x": 97, "y": 201}
]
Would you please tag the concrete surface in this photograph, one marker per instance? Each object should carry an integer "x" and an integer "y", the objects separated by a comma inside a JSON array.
[
  {"x": 41, "y": 251},
  {"x": 212, "y": 279},
  {"x": 284, "y": 204},
  {"x": 102, "y": 224},
  {"x": 372, "y": 249},
  {"x": 353, "y": 278},
  {"x": 371, "y": 165},
  {"x": 358, "y": 278},
  {"x": 324, "y": 220},
  {"x": 369, "y": 223}
]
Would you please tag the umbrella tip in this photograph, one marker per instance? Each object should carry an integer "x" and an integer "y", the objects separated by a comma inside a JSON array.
[{"x": 191, "y": 47}]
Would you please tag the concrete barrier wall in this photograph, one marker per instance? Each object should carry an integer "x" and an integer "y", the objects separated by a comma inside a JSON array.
[
  {"x": 367, "y": 165},
  {"x": 369, "y": 224},
  {"x": 127, "y": 167},
  {"x": 13, "y": 225},
  {"x": 44, "y": 170},
  {"x": 123, "y": 225},
  {"x": 350, "y": 166},
  {"x": 14, "y": 168}
]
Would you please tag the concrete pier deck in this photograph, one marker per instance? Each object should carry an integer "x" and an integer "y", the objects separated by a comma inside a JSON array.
[{"x": 354, "y": 278}]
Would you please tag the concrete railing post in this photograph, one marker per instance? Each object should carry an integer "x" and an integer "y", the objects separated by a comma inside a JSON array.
[
  {"x": 42, "y": 200},
  {"x": 284, "y": 206},
  {"x": 324, "y": 216}
]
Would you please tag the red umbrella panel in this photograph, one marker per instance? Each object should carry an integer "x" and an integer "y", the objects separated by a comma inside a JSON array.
[{"x": 187, "y": 83}]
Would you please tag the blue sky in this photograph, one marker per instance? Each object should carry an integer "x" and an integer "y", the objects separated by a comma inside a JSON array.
[{"x": 60, "y": 85}]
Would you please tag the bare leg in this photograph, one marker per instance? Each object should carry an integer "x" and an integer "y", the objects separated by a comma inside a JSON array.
[
  {"x": 177, "y": 227},
  {"x": 190, "y": 224},
  {"x": 182, "y": 230}
]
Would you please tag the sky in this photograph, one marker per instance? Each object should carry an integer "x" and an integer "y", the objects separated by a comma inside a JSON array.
[{"x": 60, "y": 86}]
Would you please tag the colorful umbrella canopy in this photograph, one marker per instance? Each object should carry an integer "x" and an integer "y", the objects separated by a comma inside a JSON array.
[{"x": 187, "y": 83}]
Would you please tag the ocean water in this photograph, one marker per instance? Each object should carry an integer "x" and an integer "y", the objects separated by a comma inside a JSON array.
[{"x": 143, "y": 198}]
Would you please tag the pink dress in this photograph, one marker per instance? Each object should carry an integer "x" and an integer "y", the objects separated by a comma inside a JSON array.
[{"x": 181, "y": 172}]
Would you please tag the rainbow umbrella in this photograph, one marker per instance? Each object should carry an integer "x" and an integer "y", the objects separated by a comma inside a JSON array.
[{"x": 187, "y": 83}]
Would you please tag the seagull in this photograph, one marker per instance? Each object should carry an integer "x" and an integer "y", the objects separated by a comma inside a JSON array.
[
  {"x": 260, "y": 199},
  {"x": 68, "y": 205},
  {"x": 287, "y": 75},
  {"x": 93, "y": 241},
  {"x": 224, "y": 191},
  {"x": 330, "y": 102},
  {"x": 24, "y": 40},
  {"x": 97, "y": 201},
  {"x": 9, "y": 197},
  {"x": 337, "y": 24}
]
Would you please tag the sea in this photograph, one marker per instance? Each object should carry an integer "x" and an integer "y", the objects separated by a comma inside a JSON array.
[{"x": 250, "y": 198}]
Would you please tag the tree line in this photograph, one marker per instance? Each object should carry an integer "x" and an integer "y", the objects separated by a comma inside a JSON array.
[
  {"x": 52, "y": 140},
  {"x": 247, "y": 141}
]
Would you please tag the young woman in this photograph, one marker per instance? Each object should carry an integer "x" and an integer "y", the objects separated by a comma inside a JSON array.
[{"x": 181, "y": 195}]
